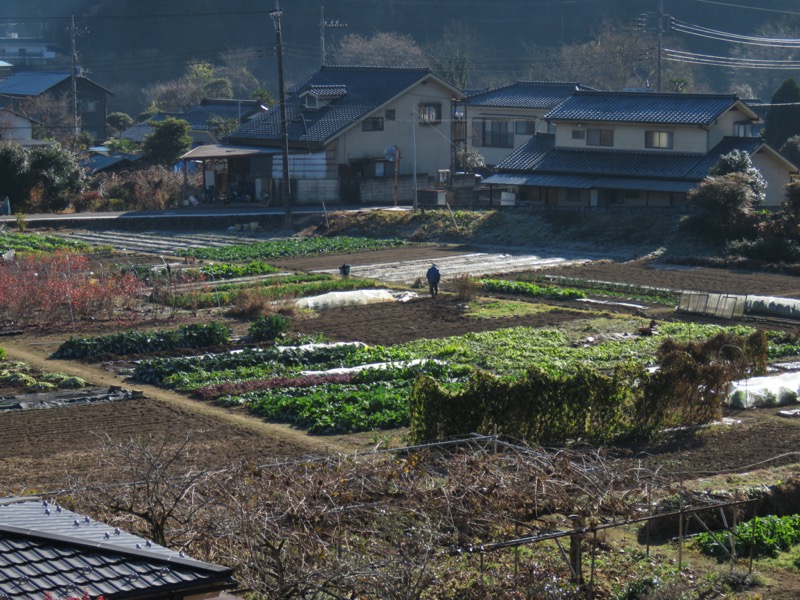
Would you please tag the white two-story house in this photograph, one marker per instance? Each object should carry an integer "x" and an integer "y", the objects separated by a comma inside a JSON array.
[
  {"x": 502, "y": 119},
  {"x": 355, "y": 134},
  {"x": 637, "y": 149}
]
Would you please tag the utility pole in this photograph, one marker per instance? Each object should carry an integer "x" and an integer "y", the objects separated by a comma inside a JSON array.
[
  {"x": 660, "y": 41},
  {"x": 323, "y": 25},
  {"x": 658, "y": 23},
  {"x": 75, "y": 115},
  {"x": 286, "y": 189}
]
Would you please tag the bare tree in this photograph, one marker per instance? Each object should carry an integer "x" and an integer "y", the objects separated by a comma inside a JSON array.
[
  {"x": 385, "y": 48},
  {"x": 161, "y": 493},
  {"x": 453, "y": 55},
  {"x": 54, "y": 115}
]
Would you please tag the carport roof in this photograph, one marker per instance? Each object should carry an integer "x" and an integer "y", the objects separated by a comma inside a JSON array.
[
  {"x": 226, "y": 151},
  {"x": 589, "y": 182}
]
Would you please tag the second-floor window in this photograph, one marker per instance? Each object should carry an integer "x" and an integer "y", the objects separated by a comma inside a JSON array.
[
  {"x": 743, "y": 129},
  {"x": 390, "y": 114},
  {"x": 525, "y": 127},
  {"x": 492, "y": 134},
  {"x": 658, "y": 139},
  {"x": 430, "y": 113},
  {"x": 599, "y": 137},
  {"x": 372, "y": 124}
]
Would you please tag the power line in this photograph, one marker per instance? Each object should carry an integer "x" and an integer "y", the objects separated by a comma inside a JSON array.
[
  {"x": 744, "y": 6},
  {"x": 724, "y": 61},
  {"x": 723, "y": 36}
]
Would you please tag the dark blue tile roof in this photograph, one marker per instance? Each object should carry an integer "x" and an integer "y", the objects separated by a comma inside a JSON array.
[
  {"x": 367, "y": 89},
  {"x": 34, "y": 83},
  {"x": 199, "y": 116},
  {"x": 526, "y": 94},
  {"x": 726, "y": 146},
  {"x": 539, "y": 155},
  {"x": 642, "y": 107},
  {"x": 46, "y": 549}
]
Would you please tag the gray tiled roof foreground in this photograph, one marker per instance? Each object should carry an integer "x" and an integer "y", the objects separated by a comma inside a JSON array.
[{"x": 45, "y": 548}]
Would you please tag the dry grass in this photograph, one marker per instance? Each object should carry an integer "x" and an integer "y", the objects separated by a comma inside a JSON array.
[
  {"x": 254, "y": 302},
  {"x": 465, "y": 287}
]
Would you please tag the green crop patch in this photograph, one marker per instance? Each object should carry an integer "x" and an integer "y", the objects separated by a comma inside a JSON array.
[{"x": 290, "y": 247}]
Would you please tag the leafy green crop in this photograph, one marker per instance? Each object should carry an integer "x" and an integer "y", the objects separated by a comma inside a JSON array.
[
  {"x": 766, "y": 536},
  {"x": 290, "y": 247},
  {"x": 530, "y": 289},
  {"x": 140, "y": 342},
  {"x": 33, "y": 242}
]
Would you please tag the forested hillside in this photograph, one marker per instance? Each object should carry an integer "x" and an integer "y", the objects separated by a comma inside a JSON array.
[{"x": 129, "y": 44}]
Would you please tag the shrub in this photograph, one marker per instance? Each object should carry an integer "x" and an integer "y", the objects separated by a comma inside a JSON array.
[
  {"x": 139, "y": 342},
  {"x": 88, "y": 201},
  {"x": 465, "y": 287},
  {"x": 60, "y": 287},
  {"x": 250, "y": 302},
  {"x": 268, "y": 328}
]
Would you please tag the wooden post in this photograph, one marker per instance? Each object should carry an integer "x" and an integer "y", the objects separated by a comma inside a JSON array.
[
  {"x": 396, "y": 171},
  {"x": 680, "y": 535}
]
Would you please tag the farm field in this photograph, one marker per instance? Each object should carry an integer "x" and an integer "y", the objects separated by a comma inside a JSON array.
[
  {"x": 388, "y": 324},
  {"x": 56, "y": 448}
]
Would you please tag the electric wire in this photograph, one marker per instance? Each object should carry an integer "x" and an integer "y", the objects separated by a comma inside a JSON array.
[{"x": 723, "y": 36}]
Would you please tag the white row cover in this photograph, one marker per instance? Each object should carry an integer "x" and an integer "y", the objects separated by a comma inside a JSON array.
[{"x": 771, "y": 390}]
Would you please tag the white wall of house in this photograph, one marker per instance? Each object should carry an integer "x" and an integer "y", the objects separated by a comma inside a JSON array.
[
  {"x": 15, "y": 127},
  {"x": 633, "y": 137},
  {"x": 433, "y": 147},
  {"x": 494, "y": 154},
  {"x": 725, "y": 125},
  {"x": 775, "y": 173}
]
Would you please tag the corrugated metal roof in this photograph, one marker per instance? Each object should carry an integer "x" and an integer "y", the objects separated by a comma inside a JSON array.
[
  {"x": 367, "y": 89},
  {"x": 643, "y": 107},
  {"x": 587, "y": 182},
  {"x": 48, "y": 549},
  {"x": 526, "y": 94},
  {"x": 226, "y": 151},
  {"x": 34, "y": 83}
]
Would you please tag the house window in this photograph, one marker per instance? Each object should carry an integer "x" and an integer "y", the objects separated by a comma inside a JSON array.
[
  {"x": 658, "y": 139},
  {"x": 310, "y": 101},
  {"x": 599, "y": 137},
  {"x": 492, "y": 134},
  {"x": 430, "y": 113},
  {"x": 380, "y": 169},
  {"x": 525, "y": 127},
  {"x": 578, "y": 134},
  {"x": 88, "y": 106},
  {"x": 743, "y": 129},
  {"x": 372, "y": 124},
  {"x": 390, "y": 114}
]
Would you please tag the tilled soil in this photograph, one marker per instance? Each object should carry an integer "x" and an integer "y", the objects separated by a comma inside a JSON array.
[{"x": 47, "y": 448}]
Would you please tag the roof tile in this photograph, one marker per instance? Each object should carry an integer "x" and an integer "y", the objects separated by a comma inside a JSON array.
[
  {"x": 642, "y": 107},
  {"x": 526, "y": 94},
  {"x": 367, "y": 89}
]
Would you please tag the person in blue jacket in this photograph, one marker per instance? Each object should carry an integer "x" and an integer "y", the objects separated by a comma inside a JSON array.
[{"x": 433, "y": 276}]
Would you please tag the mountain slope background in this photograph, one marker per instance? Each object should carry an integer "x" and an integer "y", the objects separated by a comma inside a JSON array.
[{"x": 129, "y": 44}]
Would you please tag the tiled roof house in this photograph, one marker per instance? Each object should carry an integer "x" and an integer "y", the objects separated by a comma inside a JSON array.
[
  {"x": 504, "y": 118},
  {"x": 342, "y": 120},
  {"x": 47, "y": 549},
  {"x": 92, "y": 98},
  {"x": 636, "y": 149},
  {"x": 201, "y": 119}
]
